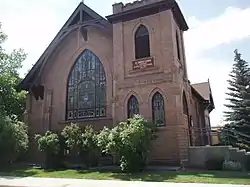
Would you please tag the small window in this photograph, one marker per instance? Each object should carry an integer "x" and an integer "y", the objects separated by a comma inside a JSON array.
[
  {"x": 184, "y": 104},
  {"x": 158, "y": 111},
  {"x": 133, "y": 106},
  {"x": 178, "y": 45},
  {"x": 142, "y": 44}
]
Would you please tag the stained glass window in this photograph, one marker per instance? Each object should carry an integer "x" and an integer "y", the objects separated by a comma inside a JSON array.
[
  {"x": 133, "y": 106},
  {"x": 158, "y": 111},
  {"x": 86, "y": 88},
  {"x": 142, "y": 45}
]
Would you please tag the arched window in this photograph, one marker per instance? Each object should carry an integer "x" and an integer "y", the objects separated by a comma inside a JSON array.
[
  {"x": 86, "y": 88},
  {"x": 184, "y": 104},
  {"x": 158, "y": 111},
  {"x": 178, "y": 45},
  {"x": 133, "y": 106},
  {"x": 142, "y": 44}
]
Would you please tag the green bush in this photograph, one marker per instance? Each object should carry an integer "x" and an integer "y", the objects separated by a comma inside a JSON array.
[
  {"x": 49, "y": 143},
  {"x": 82, "y": 142},
  {"x": 214, "y": 163},
  {"x": 131, "y": 141},
  {"x": 243, "y": 146},
  {"x": 13, "y": 139},
  {"x": 90, "y": 150}
]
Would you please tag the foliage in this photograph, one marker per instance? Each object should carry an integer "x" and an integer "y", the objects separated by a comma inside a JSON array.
[
  {"x": 82, "y": 142},
  {"x": 230, "y": 165},
  {"x": 243, "y": 146},
  {"x": 12, "y": 101},
  {"x": 131, "y": 140},
  {"x": 72, "y": 134},
  {"x": 237, "y": 116},
  {"x": 90, "y": 151},
  {"x": 49, "y": 143},
  {"x": 13, "y": 139},
  {"x": 214, "y": 163}
]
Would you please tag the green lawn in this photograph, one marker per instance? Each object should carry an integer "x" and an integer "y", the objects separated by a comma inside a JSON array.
[{"x": 159, "y": 176}]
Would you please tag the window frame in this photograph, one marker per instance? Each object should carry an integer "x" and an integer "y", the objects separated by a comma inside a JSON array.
[
  {"x": 162, "y": 109},
  {"x": 142, "y": 38},
  {"x": 86, "y": 70},
  {"x": 130, "y": 103}
]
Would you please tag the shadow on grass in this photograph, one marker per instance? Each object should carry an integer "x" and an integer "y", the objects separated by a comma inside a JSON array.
[
  {"x": 17, "y": 172},
  {"x": 145, "y": 176},
  {"x": 98, "y": 173}
]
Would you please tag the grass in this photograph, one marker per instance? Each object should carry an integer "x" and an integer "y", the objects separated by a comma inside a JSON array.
[{"x": 219, "y": 177}]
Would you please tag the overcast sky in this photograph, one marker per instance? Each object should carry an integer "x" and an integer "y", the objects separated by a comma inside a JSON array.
[{"x": 216, "y": 29}]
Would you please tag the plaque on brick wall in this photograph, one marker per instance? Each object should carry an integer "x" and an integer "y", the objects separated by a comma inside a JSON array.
[{"x": 143, "y": 63}]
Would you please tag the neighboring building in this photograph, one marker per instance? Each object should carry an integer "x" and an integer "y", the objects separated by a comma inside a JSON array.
[
  {"x": 101, "y": 71},
  {"x": 215, "y": 135}
]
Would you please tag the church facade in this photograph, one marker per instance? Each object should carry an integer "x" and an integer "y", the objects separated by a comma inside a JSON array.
[{"x": 101, "y": 71}]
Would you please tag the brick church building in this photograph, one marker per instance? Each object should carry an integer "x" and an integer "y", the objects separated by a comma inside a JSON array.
[{"x": 101, "y": 71}]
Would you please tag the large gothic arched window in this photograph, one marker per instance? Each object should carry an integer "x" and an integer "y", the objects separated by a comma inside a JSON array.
[
  {"x": 158, "y": 111},
  {"x": 133, "y": 106},
  {"x": 142, "y": 44},
  {"x": 86, "y": 88}
]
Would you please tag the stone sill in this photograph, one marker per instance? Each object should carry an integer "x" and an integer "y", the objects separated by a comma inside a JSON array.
[{"x": 85, "y": 120}]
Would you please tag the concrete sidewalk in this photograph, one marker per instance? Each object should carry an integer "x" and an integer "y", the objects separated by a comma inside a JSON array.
[{"x": 51, "y": 182}]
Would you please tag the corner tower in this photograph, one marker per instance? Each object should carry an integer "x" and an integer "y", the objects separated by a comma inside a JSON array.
[{"x": 149, "y": 63}]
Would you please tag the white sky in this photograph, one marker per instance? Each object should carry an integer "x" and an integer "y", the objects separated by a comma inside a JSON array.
[{"x": 32, "y": 24}]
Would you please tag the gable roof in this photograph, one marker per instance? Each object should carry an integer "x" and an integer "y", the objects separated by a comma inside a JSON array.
[
  {"x": 83, "y": 16},
  {"x": 204, "y": 91}
]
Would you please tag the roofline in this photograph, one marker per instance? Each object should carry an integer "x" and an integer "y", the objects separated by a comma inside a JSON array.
[
  {"x": 62, "y": 33},
  {"x": 173, "y": 5}
]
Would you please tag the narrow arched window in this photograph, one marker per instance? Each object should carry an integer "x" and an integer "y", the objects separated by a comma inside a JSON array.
[
  {"x": 158, "y": 111},
  {"x": 184, "y": 104},
  {"x": 178, "y": 45},
  {"x": 86, "y": 88},
  {"x": 142, "y": 44},
  {"x": 133, "y": 106}
]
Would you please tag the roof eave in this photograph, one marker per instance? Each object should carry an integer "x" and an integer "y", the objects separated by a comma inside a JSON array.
[{"x": 170, "y": 4}]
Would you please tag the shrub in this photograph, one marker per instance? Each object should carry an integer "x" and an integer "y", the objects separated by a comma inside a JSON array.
[
  {"x": 13, "y": 139},
  {"x": 82, "y": 143},
  {"x": 243, "y": 146},
  {"x": 214, "y": 163},
  {"x": 232, "y": 165},
  {"x": 131, "y": 141},
  {"x": 89, "y": 148},
  {"x": 72, "y": 135},
  {"x": 49, "y": 143}
]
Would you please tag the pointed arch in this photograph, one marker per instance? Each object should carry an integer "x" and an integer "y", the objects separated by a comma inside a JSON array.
[
  {"x": 142, "y": 42},
  {"x": 86, "y": 88},
  {"x": 184, "y": 103},
  {"x": 178, "y": 45},
  {"x": 158, "y": 109},
  {"x": 132, "y": 106}
]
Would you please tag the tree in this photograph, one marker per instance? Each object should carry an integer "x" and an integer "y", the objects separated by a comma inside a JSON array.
[
  {"x": 237, "y": 116},
  {"x": 13, "y": 132},
  {"x": 12, "y": 100},
  {"x": 13, "y": 139}
]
